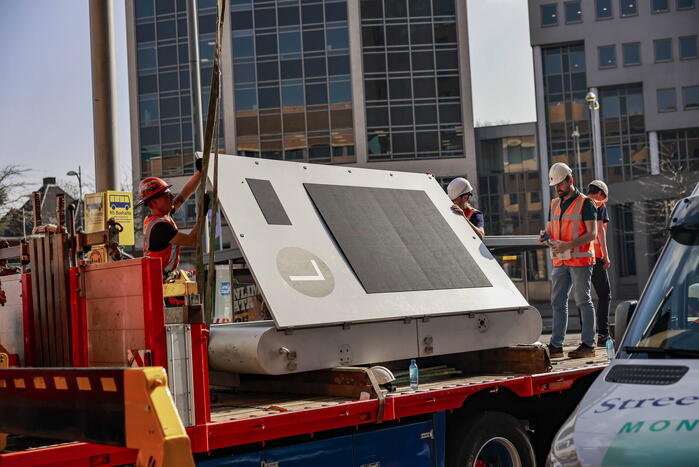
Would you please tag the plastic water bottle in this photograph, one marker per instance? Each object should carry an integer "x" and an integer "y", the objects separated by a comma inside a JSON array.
[
  {"x": 609, "y": 345},
  {"x": 412, "y": 370}
]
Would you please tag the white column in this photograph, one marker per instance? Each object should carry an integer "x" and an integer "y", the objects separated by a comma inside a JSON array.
[
  {"x": 597, "y": 141},
  {"x": 542, "y": 138},
  {"x": 654, "y": 153},
  {"x": 354, "y": 23},
  {"x": 227, "y": 99},
  {"x": 469, "y": 137}
]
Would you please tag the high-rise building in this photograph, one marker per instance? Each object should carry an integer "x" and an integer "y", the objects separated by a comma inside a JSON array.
[
  {"x": 370, "y": 83},
  {"x": 640, "y": 60}
]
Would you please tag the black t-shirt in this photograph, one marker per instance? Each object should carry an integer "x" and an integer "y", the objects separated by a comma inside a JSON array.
[
  {"x": 160, "y": 236},
  {"x": 602, "y": 214}
]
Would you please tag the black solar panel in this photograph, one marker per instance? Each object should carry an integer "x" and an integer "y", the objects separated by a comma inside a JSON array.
[
  {"x": 395, "y": 240},
  {"x": 268, "y": 201}
]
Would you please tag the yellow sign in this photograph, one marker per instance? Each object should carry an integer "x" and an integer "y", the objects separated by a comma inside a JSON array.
[
  {"x": 100, "y": 207},
  {"x": 93, "y": 208}
]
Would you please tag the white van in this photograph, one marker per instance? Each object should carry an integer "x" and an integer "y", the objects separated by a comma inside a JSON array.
[{"x": 643, "y": 409}]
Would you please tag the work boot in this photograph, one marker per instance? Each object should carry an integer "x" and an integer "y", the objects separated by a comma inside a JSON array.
[
  {"x": 601, "y": 341},
  {"x": 555, "y": 352},
  {"x": 582, "y": 351}
]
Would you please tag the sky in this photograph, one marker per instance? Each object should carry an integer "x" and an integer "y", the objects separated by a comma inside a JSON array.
[{"x": 45, "y": 84}]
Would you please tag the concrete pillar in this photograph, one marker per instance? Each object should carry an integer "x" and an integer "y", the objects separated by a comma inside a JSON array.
[
  {"x": 654, "y": 153},
  {"x": 597, "y": 141},
  {"x": 354, "y": 23},
  {"x": 194, "y": 74},
  {"x": 469, "y": 137},
  {"x": 104, "y": 109}
]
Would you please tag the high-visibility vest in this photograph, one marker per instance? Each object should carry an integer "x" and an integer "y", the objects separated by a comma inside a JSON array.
[
  {"x": 469, "y": 212},
  {"x": 598, "y": 247},
  {"x": 568, "y": 226},
  {"x": 170, "y": 256}
]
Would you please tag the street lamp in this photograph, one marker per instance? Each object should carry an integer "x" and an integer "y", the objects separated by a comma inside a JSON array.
[
  {"x": 576, "y": 138},
  {"x": 593, "y": 105},
  {"x": 78, "y": 174}
]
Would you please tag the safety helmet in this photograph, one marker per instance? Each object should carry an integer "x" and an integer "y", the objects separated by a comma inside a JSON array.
[
  {"x": 559, "y": 172},
  {"x": 151, "y": 187},
  {"x": 457, "y": 187},
  {"x": 601, "y": 185}
]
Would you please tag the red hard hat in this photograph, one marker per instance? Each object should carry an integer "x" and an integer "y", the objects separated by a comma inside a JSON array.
[{"x": 151, "y": 187}]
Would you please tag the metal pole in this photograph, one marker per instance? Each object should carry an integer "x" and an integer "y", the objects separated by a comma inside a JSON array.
[
  {"x": 80, "y": 190},
  {"x": 596, "y": 136},
  {"x": 576, "y": 136},
  {"x": 104, "y": 94}
]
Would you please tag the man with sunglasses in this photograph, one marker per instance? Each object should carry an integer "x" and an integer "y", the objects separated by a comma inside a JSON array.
[
  {"x": 161, "y": 237},
  {"x": 597, "y": 190},
  {"x": 460, "y": 192}
]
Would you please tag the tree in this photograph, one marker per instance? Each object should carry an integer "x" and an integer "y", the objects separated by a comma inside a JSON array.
[{"x": 13, "y": 186}]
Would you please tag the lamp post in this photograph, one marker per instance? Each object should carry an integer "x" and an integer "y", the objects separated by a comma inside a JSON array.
[
  {"x": 593, "y": 105},
  {"x": 576, "y": 139},
  {"x": 78, "y": 174}
]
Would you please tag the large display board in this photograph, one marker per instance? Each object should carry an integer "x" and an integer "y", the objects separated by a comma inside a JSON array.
[{"x": 333, "y": 245}]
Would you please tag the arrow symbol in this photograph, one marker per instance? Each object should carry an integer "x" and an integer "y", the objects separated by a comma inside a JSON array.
[{"x": 318, "y": 277}]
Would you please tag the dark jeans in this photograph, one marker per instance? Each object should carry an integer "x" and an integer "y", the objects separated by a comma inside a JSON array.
[{"x": 600, "y": 281}]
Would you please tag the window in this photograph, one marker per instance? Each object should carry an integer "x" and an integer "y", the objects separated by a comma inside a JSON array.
[
  {"x": 573, "y": 12},
  {"x": 685, "y": 4},
  {"x": 631, "y": 53},
  {"x": 625, "y": 240},
  {"x": 663, "y": 50},
  {"x": 549, "y": 15},
  {"x": 607, "y": 56},
  {"x": 603, "y": 9},
  {"x": 667, "y": 100},
  {"x": 690, "y": 97},
  {"x": 688, "y": 47},
  {"x": 628, "y": 7},
  {"x": 659, "y": 6}
]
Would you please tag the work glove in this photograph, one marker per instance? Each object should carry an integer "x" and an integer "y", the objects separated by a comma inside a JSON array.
[{"x": 198, "y": 161}]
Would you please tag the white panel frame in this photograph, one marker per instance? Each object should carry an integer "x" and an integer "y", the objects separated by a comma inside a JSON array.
[{"x": 348, "y": 302}]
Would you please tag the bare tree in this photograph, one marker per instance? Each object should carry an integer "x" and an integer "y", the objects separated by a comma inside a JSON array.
[{"x": 13, "y": 186}]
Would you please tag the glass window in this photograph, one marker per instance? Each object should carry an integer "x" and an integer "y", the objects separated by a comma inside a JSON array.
[
  {"x": 375, "y": 89},
  {"x": 426, "y": 114},
  {"x": 268, "y": 97},
  {"x": 372, "y": 36},
  {"x": 424, "y": 87},
  {"x": 400, "y": 88},
  {"x": 573, "y": 12},
  {"x": 266, "y": 44},
  {"x": 549, "y": 15},
  {"x": 403, "y": 143},
  {"x": 292, "y": 96},
  {"x": 267, "y": 71},
  {"x": 690, "y": 97},
  {"x": 398, "y": 61},
  {"x": 377, "y": 116},
  {"x": 170, "y": 107},
  {"x": 577, "y": 61},
  {"x": 270, "y": 124},
  {"x": 207, "y": 24},
  {"x": 340, "y": 92},
  {"x": 337, "y": 39},
  {"x": 150, "y": 135},
  {"x": 395, "y": 8},
  {"x": 312, "y": 14},
  {"x": 688, "y": 47},
  {"x": 371, "y": 9},
  {"x": 423, "y": 61},
  {"x": 288, "y": 16},
  {"x": 313, "y": 40},
  {"x": 246, "y": 126},
  {"x": 164, "y": 7},
  {"x": 427, "y": 141},
  {"x": 291, "y": 69},
  {"x": 241, "y": 20},
  {"x": 146, "y": 58},
  {"x": 447, "y": 60},
  {"x": 166, "y": 30},
  {"x": 683, "y": 4},
  {"x": 243, "y": 47},
  {"x": 147, "y": 84},
  {"x": 443, "y": 7},
  {"x": 449, "y": 113},
  {"x": 401, "y": 116},
  {"x": 397, "y": 35},
  {"x": 628, "y": 7},
  {"x": 659, "y": 6},
  {"x": 314, "y": 67},
  {"x": 145, "y": 32},
  {"x": 144, "y": 8},
  {"x": 265, "y": 18},
  {"x": 553, "y": 64},
  {"x": 420, "y": 8},
  {"x": 667, "y": 101},
  {"x": 607, "y": 56},
  {"x": 338, "y": 65},
  {"x": 244, "y": 72},
  {"x": 614, "y": 156},
  {"x": 168, "y": 82},
  {"x": 374, "y": 63},
  {"x": 171, "y": 133},
  {"x": 318, "y": 121},
  {"x": 290, "y": 42},
  {"x": 421, "y": 34},
  {"x": 663, "y": 50},
  {"x": 448, "y": 87},
  {"x": 335, "y": 12},
  {"x": 445, "y": 33},
  {"x": 316, "y": 94},
  {"x": 603, "y": 9},
  {"x": 245, "y": 99},
  {"x": 148, "y": 110},
  {"x": 631, "y": 53}
]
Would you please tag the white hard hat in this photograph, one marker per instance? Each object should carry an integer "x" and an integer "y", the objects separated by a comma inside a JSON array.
[
  {"x": 559, "y": 172},
  {"x": 601, "y": 185},
  {"x": 457, "y": 187}
]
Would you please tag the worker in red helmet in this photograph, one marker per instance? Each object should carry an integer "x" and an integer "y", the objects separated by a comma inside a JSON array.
[{"x": 161, "y": 237}]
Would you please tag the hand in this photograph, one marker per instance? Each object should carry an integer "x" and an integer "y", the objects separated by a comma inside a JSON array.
[
  {"x": 606, "y": 263},
  {"x": 457, "y": 209},
  {"x": 559, "y": 247},
  {"x": 542, "y": 241}
]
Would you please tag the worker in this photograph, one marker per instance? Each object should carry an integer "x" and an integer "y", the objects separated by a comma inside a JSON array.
[
  {"x": 598, "y": 191},
  {"x": 161, "y": 237},
  {"x": 460, "y": 192},
  {"x": 571, "y": 229}
]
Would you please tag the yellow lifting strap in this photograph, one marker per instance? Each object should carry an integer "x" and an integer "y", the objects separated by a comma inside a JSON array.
[{"x": 152, "y": 423}]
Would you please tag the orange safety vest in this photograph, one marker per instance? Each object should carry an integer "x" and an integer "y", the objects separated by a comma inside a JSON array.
[
  {"x": 568, "y": 226},
  {"x": 598, "y": 247},
  {"x": 170, "y": 256}
]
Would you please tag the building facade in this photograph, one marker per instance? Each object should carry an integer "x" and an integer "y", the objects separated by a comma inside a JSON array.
[
  {"x": 376, "y": 84},
  {"x": 640, "y": 59}
]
